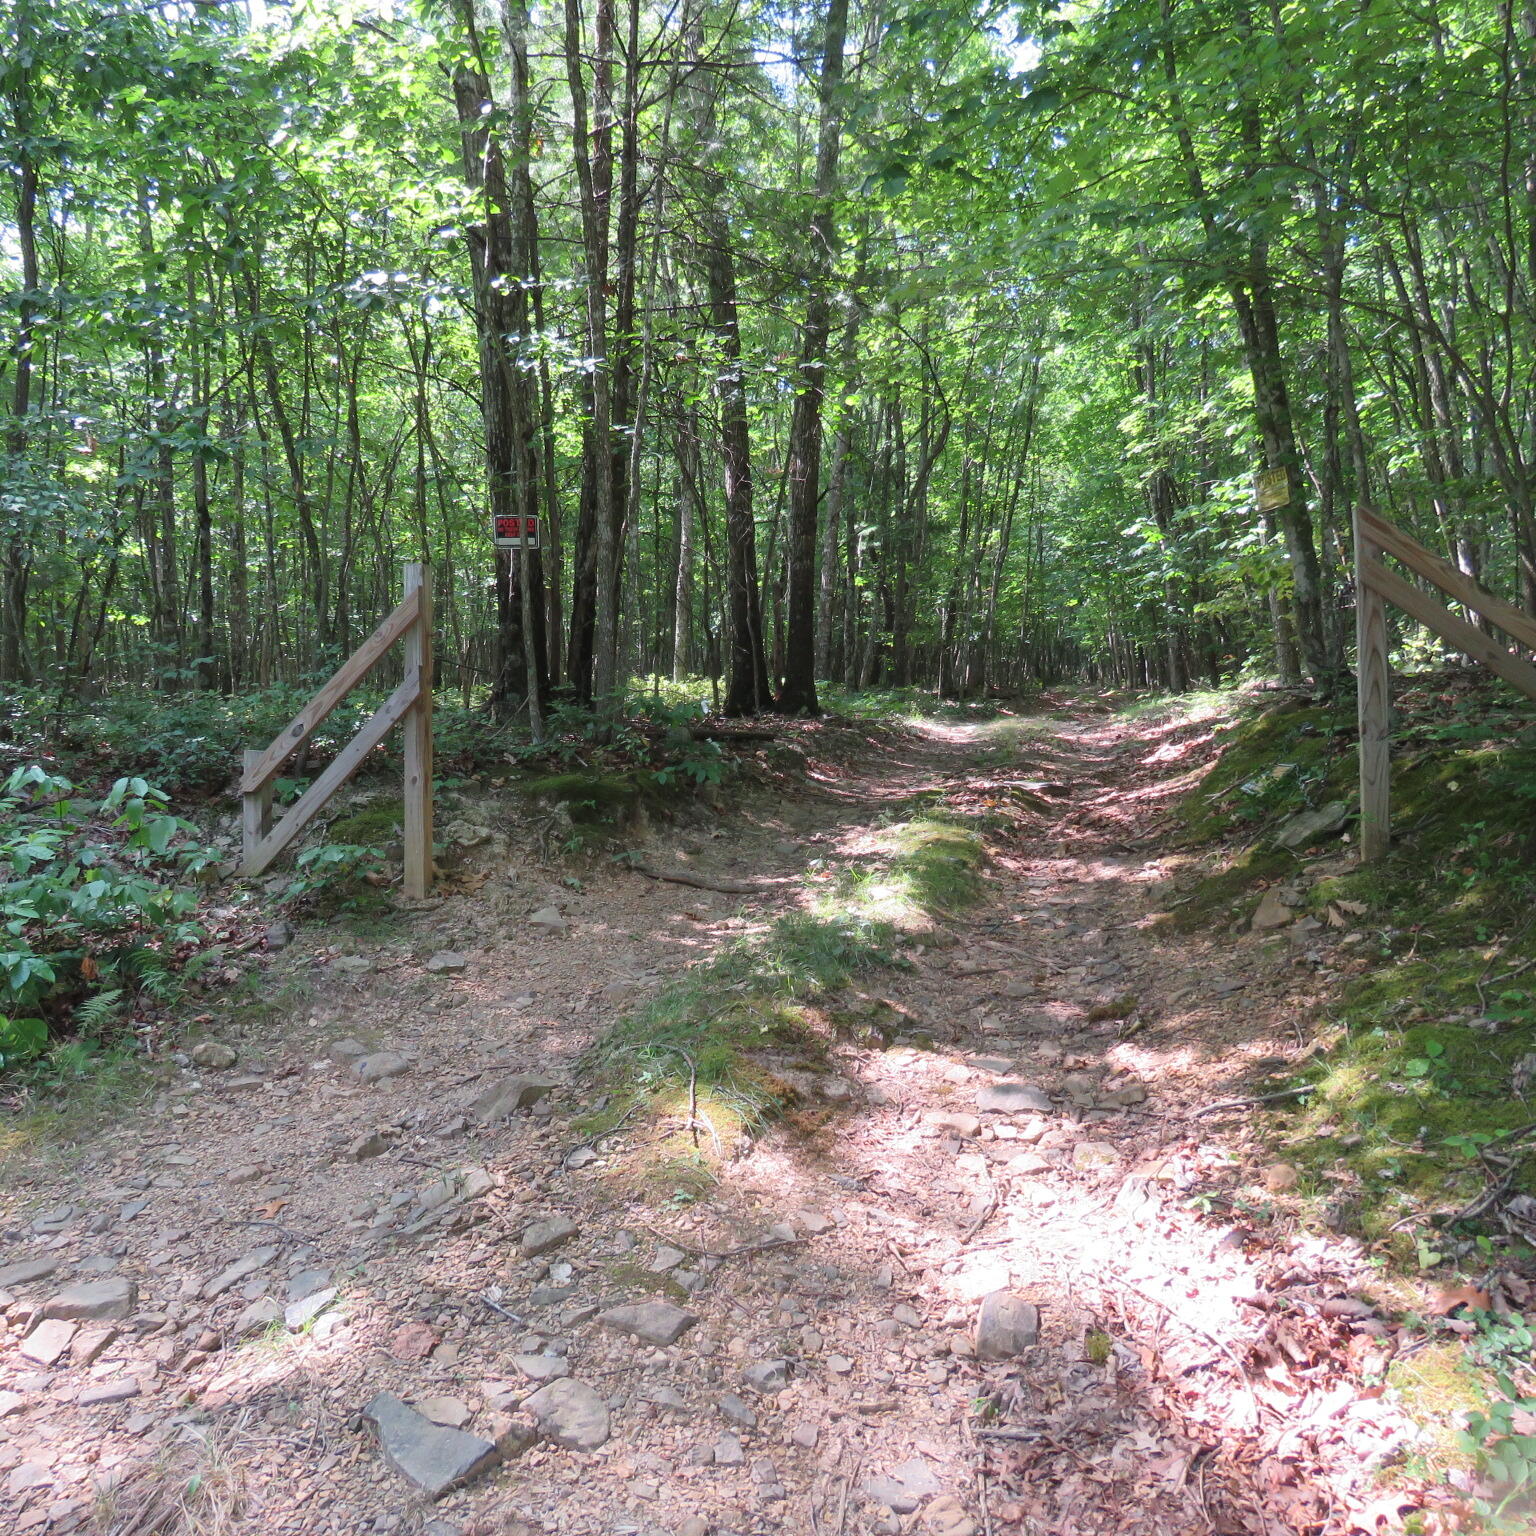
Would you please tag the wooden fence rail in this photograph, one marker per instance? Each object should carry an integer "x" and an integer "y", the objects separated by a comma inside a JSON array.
[
  {"x": 1376, "y": 585},
  {"x": 411, "y": 703}
]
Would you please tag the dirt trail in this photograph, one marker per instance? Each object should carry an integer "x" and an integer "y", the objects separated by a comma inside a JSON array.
[{"x": 1198, "y": 1354}]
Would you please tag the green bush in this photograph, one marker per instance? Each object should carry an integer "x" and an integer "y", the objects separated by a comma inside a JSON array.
[{"x": 93, "y": 905}]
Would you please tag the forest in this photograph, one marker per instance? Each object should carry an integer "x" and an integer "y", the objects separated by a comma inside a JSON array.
[{"x": 890, "y": 344}]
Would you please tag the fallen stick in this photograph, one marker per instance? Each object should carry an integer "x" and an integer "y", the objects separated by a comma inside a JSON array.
[
  {"x": 1262, "y": 1098},
  {"x": 699, "y": 882}
]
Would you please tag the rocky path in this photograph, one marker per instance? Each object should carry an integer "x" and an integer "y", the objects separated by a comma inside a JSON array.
[{"x": 372, "y": 1276}]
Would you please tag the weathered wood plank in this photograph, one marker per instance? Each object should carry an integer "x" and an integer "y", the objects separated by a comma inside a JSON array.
[
  {"x": 341, "y": 768},
  {"x": 356, "y": 667},
  {"x": 1374, "y": 686},
  {"x": 1457, "y": 584},
  {"x": 255, "y": 810},
  {"x": 1465, "y": 637},
  {"x": 418, "y": 740}
]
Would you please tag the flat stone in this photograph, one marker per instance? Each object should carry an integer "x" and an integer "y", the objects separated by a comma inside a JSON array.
[
  {"x": 511, "y": 1094},
  {"x": 11, "y": 1402},
  {"x": 542, "y": 1236},
  {"x": 955, "y": 1123},
  {"x": 548, "y": 920},
  {"x": 90, "y": 1344},
  {"x": 260, "y": 1315},
  {"x": 246, "y": 1264},
  {"x": 414, "y": 1341},
  {"x": 374, "y": 1144},
  {"x": 378, "y": 1065},
  {"x": 887, "y": 1491},
  {"x": 437, "y": 1459},
  {"x": 345, "y": 1052},
  {"x": 814, "y": 1222},
  {"x": 571, "y": 1414},
  {"x": 1281, "y": 1178},
  {"x": 48, "y": 1341},
  {"x": 214, "y": 1055},
  {"x": 767, "y": 1376},
  {"x": 728, "y": 1452},
  {"x": 450, "y": 1412},
  {"x": 278, "y": 935},
  {"x": 108, "y": 1392},
  {"x": 1271, "y": 913},
  {"x": 447, "y": 962},
  {"x": 542, "y": 1367},
  {"x": 1309, "y": 826},
  {"x": 95, "y": 1301},
  {"x": 1006, "y": 1326},
  {"x": 657, "y": 1322},
  {"x": 734, "y": 1409},
  {"x": 297, "y": 1315},
  {"x": 1089, "y": 1155},
  {"x": 1010, "y": 1098},
  {"x": 307, "y": 1282},
  {"x": 27, "y": 1271}
]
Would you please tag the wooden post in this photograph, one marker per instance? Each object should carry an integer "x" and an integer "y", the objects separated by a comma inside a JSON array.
[
  {"x": 1374, "y": 687},
  {"x": 418, "y": 740},
  {"x": 255, "y": 814}
]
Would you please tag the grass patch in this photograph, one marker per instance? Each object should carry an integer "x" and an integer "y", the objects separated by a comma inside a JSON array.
[
  {"x": 375, "y": 823},
  {"x": 771, "y": 994},
  {"x": 57, "y": 1102}
]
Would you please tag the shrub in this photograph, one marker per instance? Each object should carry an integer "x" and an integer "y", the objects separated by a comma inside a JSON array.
[{"x": 91, "y": 907}]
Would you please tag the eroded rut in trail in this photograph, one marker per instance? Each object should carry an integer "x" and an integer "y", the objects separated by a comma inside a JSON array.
[{"x": 1031, "y": 1135}]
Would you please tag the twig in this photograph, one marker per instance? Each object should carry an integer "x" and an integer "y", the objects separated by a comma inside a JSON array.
[
  {"x": 986, "y": 1508},
  {"x": 1011, "y": 1434},
  {"x": 496, "y": 1306},
  {"x": 1261, "y": 1098},
  {"x": 252, "y": 1221},
  {"x": 699, "y": 882}
]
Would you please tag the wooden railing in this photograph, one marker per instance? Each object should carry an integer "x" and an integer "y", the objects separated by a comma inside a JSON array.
[
  {"x": 1375, "y": 586},
  {"x": 410, "y": 702}
]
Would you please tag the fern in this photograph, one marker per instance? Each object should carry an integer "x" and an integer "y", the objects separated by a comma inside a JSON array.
[{"x": 94, "y": 1015}]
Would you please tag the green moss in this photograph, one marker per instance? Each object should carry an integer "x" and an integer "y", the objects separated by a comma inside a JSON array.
[
  {"x": 373, "y": 824},
  {"x": 634, "y": 1277},
  {"x": 1223, "y": 896},
  {"x": 594, "y": 799}
]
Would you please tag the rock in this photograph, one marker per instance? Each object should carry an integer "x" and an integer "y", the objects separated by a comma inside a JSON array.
[
  {"x": 542, "y": 1367},
  {"x": 767, "y": 1376},
  {"x": 298, "y": 1315},
  {"x": 378, "y": 1065},
  {"x": 657, "y": 1322},
  {"x": 278, "y": 935},
  {"x": 955, "y": 1123},
  {"x": 374, "y": 1144},
  {"x": 728, "y": 1452},
  {"x": 27, "y": 1271},
  {"x": 806, "y": 1435},
  {"x": 214, "y": 1055},
  {"x": 887, "y": 1491},
  {"x": 814, "y": 1222},
  {"x": 571, "y": 1414},
  {"x": 542, "y": 1236},
  {"x": 345, "y": 1052},
  {"x": 839, "y": 1365},
  {"x": 435, "y": 1458},
  {"x": 548, "y": 920},
  {"x": 246, "y": 1264},
  {"x": 94, "y": 1302},
  {"x": 450, "y": 1412},
  {"x": 260, "y": 1315},
  {"x": 1305, "y": 829},
  {"x": 946, "y": 1516},
  {"x": 11, "y": 1402},
  {"x": 1281, "y": 1178},
  {"x": 907, "y": 1316},
  {"x": 510, "y": 1095},
  {"x": 733, "y": 1408},
  {"x": 108, "y": 1392},
  {"x": 307, "y": 1282},
  {"x": 1271, "y": 913},
  {"x": 694, "y": 1525},
  {"x": 48, "y": 1341},
  {"x": 447, "y": 962},
  {"x": 1006, "y": 1326},
  {"x": 1010, "y": 1098},
  {"x": 1088, "y": 1155},
  {"x": 414, "y": 1341}
]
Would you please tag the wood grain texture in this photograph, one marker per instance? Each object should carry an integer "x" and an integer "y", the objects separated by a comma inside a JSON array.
[
  {"x": 418, "y": 739},
  {"x": 1374, "y": 691},
  {"x": 309, "y": 719}
]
